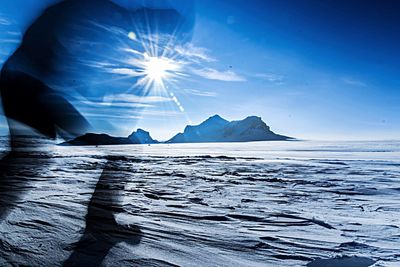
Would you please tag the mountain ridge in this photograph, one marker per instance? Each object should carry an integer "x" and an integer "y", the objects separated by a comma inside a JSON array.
[
  {"x": 213, "y": 129},
  {"x": 217, "y": 129},
  {"x": 139, "y": 136}
]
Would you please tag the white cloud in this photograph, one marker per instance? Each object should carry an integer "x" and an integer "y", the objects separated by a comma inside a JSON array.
[
  {"x": 15, "y": 33},
  {"x": 130, "y": 98},
  {"x": 117, "y": 104},
  {"x": 127, "y": 101},
  {"x": 112, "y": 29},
  {"x": 354, "y": 82},
  {"x": 213, "y": 74},
  {"x": 188, "y": 59},
  {"x": 5, "y": 21},
  {"x": 271, "y": 77},
  {"x": 111, "y": 116},
  {"x": 98, "y": 64},
  {"x": 10, "y": 41},
  {"x": 133, "y": 51},
  {"x": 202, "y": 93},
  {"x": 146, "y": 113},
  {"x": 125, "y": 71},
  {"x": 160, "y": 113},
  {"x": 194, "y": 53}
]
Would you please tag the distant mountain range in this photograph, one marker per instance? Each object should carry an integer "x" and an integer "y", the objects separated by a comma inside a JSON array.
[
  {"x": 214, "y": 129},
  {"x": 217, "y": 129},
  {"x": 92, "y": 139}
]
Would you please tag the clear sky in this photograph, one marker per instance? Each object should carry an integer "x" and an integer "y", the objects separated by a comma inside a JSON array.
[{"x": 310, "y": 69}]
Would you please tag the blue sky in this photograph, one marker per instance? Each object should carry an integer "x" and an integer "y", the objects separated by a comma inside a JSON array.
[{"x": 310, "y": 69}]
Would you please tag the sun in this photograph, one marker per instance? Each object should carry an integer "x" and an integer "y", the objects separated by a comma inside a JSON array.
[
  {"x": 158, "y": 69},
  {"x": 154, "y": 67}
]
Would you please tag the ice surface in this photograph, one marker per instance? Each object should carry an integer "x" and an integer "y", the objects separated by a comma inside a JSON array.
[{"x": 230, "y": 204}]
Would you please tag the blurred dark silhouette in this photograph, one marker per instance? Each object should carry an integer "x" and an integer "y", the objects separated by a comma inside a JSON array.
[
  {"x": 29, "y": 101},
  {"x": 102, "y": 232},
  {"x": 37, "y": 80},
  {"x": 35, "y": 83}
]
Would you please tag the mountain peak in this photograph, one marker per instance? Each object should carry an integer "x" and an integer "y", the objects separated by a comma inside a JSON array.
[
  {"x": 139, "y": 130},
  {"x": 216, "y": 116},
  {"x": 142, "y": 137},
  {"x": 253, "y": 118},
  {"x": 216, "y": 119}
]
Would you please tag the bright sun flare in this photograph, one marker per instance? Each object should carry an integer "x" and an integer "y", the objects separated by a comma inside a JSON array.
[{"x": 157, "y": 69}]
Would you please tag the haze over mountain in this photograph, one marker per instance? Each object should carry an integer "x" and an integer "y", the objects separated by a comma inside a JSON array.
[{"x": 217, "y": 129}]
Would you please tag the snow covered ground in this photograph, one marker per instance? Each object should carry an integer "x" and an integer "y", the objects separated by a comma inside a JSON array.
[{"x": 218, "y": 204}]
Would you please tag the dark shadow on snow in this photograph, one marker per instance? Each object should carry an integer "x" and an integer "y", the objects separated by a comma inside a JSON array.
[{"x": 102, "y": 231}]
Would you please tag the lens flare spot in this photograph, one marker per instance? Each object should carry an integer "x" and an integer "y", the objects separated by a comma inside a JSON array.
[{"x": 132, "y": 36}]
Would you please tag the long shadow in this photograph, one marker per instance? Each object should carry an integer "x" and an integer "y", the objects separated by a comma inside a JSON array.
[
  {"x": 13, "y": 182},
  {"x": 102, "y": 231},
  {"x": 19, "y": 169}
]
